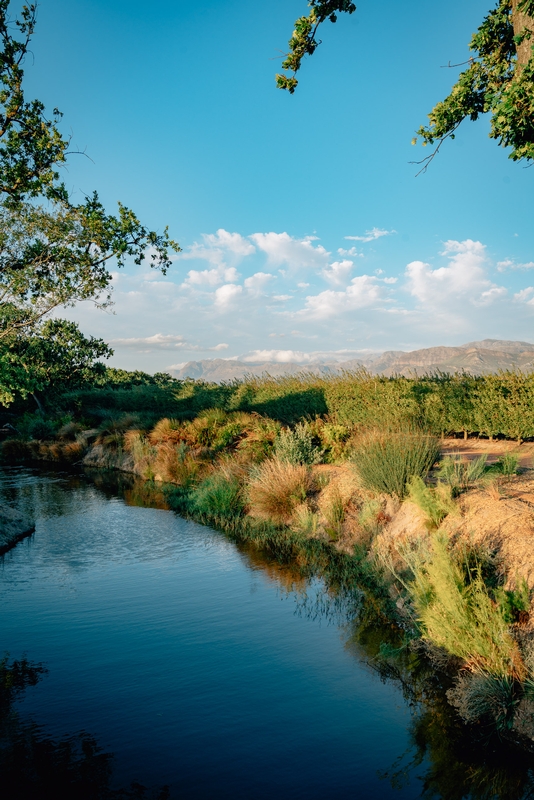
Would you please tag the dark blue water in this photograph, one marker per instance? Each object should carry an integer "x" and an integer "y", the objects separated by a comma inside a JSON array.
[{"x": 197, "y": 665}]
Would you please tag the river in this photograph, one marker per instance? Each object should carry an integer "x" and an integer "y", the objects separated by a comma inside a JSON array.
[{"x": 196, "y": 664}]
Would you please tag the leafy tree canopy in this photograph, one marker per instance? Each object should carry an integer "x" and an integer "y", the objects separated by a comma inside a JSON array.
[
  {"x": 499, "y": 78},
  {"x": 56, "y": 355},
  {"x": 53, "y": 252}
]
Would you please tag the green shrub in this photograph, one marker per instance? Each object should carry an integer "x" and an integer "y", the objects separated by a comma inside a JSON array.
[
  {"x": 461, "y": 473},
  {"x": 460, "y": 616},
  {"x": 218, "y": 496},
  {"x": 296, "y": 446},
  {"x": 334, "y": 512},
  {"x": 482, "y": 696},
  {"x": 508, "y": 464},
  {"x": 387, "y": 461},
  {"x": 41, "y": 429},
  {"x": 436, "y": 502}
]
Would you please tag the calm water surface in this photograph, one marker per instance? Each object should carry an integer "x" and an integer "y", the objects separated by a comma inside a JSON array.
[{"x": 195, "y": 664}]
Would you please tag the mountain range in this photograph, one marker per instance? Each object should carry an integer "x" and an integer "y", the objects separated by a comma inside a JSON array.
[{"x": 475, "y": 358}]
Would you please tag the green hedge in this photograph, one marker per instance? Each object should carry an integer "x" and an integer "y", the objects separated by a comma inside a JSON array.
[{"x": 493, "y": 405}]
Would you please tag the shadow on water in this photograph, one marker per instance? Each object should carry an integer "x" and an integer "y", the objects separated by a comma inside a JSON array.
[
  {"x": 446, "y": 758},
  {"x": 34, "y": 765}
]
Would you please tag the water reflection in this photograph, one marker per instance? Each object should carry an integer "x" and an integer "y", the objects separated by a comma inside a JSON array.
[
  {"x": 444, "y": 759},
  {"x": 34, "y": 765}
]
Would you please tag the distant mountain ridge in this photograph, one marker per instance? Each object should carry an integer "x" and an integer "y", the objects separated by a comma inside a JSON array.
[{"x": 476, "y": 358}]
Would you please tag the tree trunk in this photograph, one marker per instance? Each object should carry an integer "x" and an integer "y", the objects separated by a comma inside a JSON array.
[
  {"x": 520, "y": 21},
  {"x": 38, "y": 403}
]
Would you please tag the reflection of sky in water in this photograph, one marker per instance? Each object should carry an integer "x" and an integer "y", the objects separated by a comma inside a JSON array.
[
  {"x": 185, "y": 658},
  {"x": 211, "y": 666}
]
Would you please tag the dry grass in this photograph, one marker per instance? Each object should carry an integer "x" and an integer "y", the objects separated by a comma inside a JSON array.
[
  {"x": 276, "y": 489},
  {"x": 166, "y": 430}
]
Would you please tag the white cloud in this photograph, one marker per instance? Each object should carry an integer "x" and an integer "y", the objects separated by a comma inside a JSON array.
[
  {"x": 350, "y": 252},
  {"x": 211, "y": 277},
  {"x": 281, "y": 248},
  {"x": 370, "y": 236},
  {"x": 300, "y": 357},
  {"x": 257, "y": 283},
  {"x": 338, "y": 273},
  {"x": 217, "y": 246},
  {"x": 160, "y": 341},
  {"x": 233, "y": 242},
  {"x": 363, "y": 291},
  {"x": 465, "y": 278},
  {"x": 508, "y": 263},
  {"x": 225, "y": 296},
  {"x": 281, "y": 298},
  {"x": 525, "y": 295}
]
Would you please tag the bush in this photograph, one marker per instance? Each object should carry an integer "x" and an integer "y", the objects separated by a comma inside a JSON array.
[
  {"x": 296, "y": 446},
  {"x": 276, "y": 488},
  {"x": 218, "y": 496},
  {"x": 460, "y": 616},
  {"x": 41, "y": 429},
  {"x": 387, "y": 461},
  {"x": 461, "y": 473},
  {"x": 435, "y": 503},
  {"x": 481, "y": 695},
  {"x": 508, "y": 464}
]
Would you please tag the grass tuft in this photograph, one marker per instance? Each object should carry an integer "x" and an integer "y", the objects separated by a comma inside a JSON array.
[
  {"x": 276, "y": 488},
  {"x": 387, "y": 461},
  {"x": 459, "y": 615}
]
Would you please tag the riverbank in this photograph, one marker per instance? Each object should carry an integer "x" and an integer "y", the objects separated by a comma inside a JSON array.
[
  {"x": 13, "y": 528},
  {"x": 436, "y": 543}
]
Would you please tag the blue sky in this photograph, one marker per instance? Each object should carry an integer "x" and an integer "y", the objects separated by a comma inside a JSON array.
[{"x": 305, "y": 232}]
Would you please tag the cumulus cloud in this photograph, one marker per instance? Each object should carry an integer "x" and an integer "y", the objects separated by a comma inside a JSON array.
[
  {"x": 370, "y": 236},
  {"x": 299, "y": 356},
  {"x": 211, "y": 277},
  {"x": 510, "y": 264},
  {"x": 363, "y": 291},
  {"x": 217, "y": 246},
  {"x": 525, "y": 295},
  {"x": 225, "y": 296},
  {"x": 338, "y": 273},
  {"x": 257, "y": 283},
  {"x": 350, "y": 252},
  {"x": 160, "y": 341},
  {"x": 232, "y": 242},
  {"x": 464, "y": 279},
  {"x": 281, "y": 248}
]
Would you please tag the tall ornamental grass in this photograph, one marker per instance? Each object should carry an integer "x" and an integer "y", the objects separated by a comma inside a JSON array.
[
  {"x": 218, "y": 496},
  {"x": 276, "y": 488},
  {"x": 386, "y": 462},
  {"x": 459, "y": 615}
]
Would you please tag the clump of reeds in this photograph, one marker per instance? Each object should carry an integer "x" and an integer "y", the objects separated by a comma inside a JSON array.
[
  {"x": 435, "y": 502},
  {"x": 111, "y": 431},
  {"x": 276, "y": 488},
  {"x": 15, "y": 450},
  {"x": 69, "y": 431},
  {"x": 334, "y": 512},
  {"x": 481, "y": 695},
  {"x": 387, "y": 461},
  {"x": 459, "y": 615},
  {"x": 462, "y": 473},
  {"x": 165, "y": 430},
  {"x": 218, "y": 496}
]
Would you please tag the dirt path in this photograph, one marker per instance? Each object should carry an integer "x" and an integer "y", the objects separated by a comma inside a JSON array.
[{"x": 471, "y": 448}]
